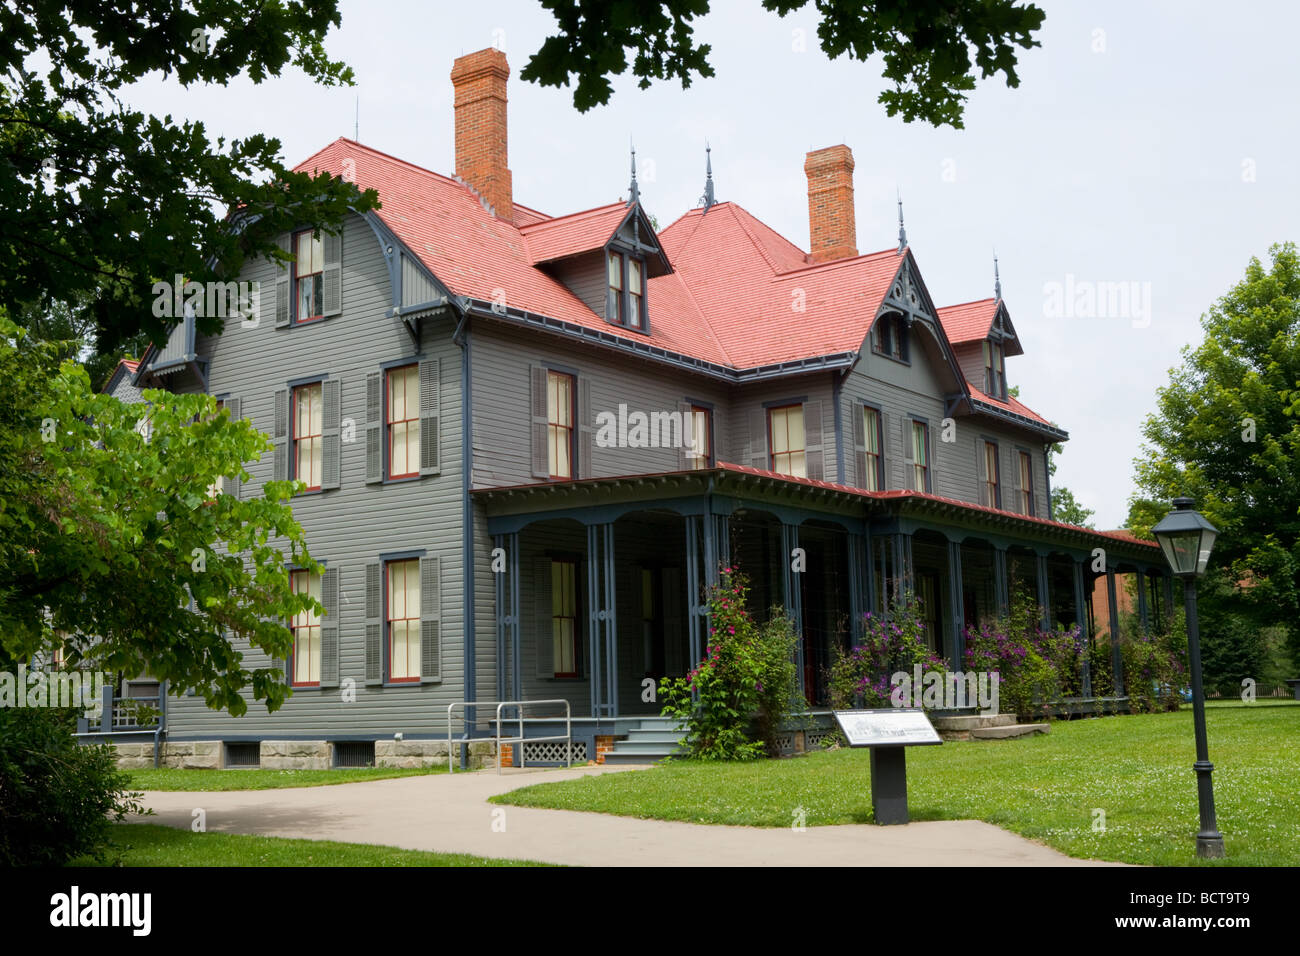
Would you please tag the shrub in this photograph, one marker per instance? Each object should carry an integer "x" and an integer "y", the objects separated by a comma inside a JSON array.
[
  {"x": 860, "y": 677},
  {"x": 57, "y": 797},
  {"x": 747, "y": 678}
]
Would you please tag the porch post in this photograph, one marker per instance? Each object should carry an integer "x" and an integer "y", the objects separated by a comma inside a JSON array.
[
  {"x": 710, "y": 529},
  {"x": 693, "y": 623},
  {"x": 793, "y": 596},
  {"x": 593, "y": 619},
  {"x": 610, "y": 613},
  {"x": 722, "y": 534},
  {"x": 516, "y": 602},
  {"x": 1085, "y": 639},
  {"x": 859, "y": 590},
  {"x": 1044, "y": 592},
  {"x": 1116, "y": 658},
  {"x": 1001, "y": 587},
  {"x": 957, "y": 601},
  {"x": 503, "y": 620},
  {"x": 1144, "y": 614}
]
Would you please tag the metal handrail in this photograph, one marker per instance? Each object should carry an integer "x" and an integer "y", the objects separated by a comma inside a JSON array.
[{"x": 499, "y": 739}]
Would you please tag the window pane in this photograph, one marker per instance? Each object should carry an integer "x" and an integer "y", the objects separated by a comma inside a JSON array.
[
  {"x": 634, "y": 311},
  {"x": 615, "y": 271},
  {"x": 404, "y": 619},
  {"x": 634, "y": 276},
  {"x": 780, "y": 438},
  {"x": 794, "y": 422},
  {"x": 871, "y": 430},
  {"x": 304, "y": 253}
]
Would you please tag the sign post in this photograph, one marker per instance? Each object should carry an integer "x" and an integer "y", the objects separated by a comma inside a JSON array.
[{"x": 888, "y": 733}]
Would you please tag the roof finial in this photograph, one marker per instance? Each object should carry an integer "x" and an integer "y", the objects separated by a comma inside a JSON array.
[
  {"x": 902, "y": 233},
  {"x": 708, "y": 199},
  {"x": 997, "y": 281},
  {"x": 633, "y": 191}
]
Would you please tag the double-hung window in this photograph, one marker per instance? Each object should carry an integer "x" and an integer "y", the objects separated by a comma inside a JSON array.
[
  {"x": 308, "y": 272},
  {"x": 991, "y": 477},
  {"x": 698, "y": 430},
  {"x": 871, "y": 433},
  {"x": 995, "y": 379},
  {"x": 625, "y": 301},
  {"x": 403, "y": 620},
  {"x": 920, "y": 456},
  {"x": 1026, "y": 484},
  {"x": 403, "y": 421},
  {"x": 564, "y": 618},
  {"x": 889, "y": 337},
  {"x": 306, "y": 437},
  {"x": 786, "y": 439},
  {"x": 306, "y": 631},
  {"x": 559, "y": 424}
]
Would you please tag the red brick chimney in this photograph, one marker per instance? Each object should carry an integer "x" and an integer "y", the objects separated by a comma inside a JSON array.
[
  {"x": 832, "y": 229},
  {"x": 480, "y": 82}
]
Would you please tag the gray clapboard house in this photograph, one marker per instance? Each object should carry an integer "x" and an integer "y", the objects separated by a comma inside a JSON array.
[{"x": 530, "y": 442}]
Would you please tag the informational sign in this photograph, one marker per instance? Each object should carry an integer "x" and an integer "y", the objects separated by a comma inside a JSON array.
[{"x": 888, "y": 727}]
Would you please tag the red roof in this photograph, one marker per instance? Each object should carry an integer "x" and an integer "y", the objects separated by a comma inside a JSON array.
[
  {"x": 1119, "y": 535},
  {"x": 1012, "y": 404},
  {"x": 740, "y": 294},
  {"x": 551, "y": 239},
  {"x": 968, "y": 322}
]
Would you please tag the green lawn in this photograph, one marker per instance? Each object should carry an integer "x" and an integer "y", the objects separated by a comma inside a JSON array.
[
  {"x": 251, "y": 779},
  {"x": 144, "y": 844},
  {"x": 1137, "y": 769}
]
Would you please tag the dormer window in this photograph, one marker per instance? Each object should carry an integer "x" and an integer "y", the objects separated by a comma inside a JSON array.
[
  {"x": 625, "y": 304},
  {"x": 889, "y": 337},
  {"x": 995, "y": 377}
]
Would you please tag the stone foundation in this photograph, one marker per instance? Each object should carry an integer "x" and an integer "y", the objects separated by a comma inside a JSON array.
[
  {"x": 134, "y": 756},
  {"x": 297, "y": 755},
  {"x": 193, "y": 755},
  {"x": 429, "y": 753}
]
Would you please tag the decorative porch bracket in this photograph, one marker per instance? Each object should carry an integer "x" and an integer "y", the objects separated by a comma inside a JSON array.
[
  {"x": 792, "y": 593},
  {"x": 1116, "y": 658},
  {"x": 509, "y": 674},
  {"x": 602, "y": 620},
  {"x": 957, "y": 605},
  {"x": 1081, "y": 621}
]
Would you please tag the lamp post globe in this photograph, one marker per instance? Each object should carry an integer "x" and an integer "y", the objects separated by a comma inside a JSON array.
[{"x": 1187, "y": 539}]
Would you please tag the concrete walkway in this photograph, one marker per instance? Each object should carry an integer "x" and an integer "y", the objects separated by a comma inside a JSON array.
[{"x": 449, "y": 813}]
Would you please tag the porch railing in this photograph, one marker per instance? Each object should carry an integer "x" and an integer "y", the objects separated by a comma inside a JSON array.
[{"x": 499, "y": 719}]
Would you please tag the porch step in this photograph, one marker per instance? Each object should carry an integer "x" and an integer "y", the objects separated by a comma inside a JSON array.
[
  {"x": 654, "y": 739},
  {"x": 1006, "y": 731},
  {"x": 967, "y": 722}
]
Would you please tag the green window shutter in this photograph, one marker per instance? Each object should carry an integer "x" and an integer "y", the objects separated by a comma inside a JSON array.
[
  {"x": 282, "y": 290},
  {"x": 231, "y": 484},
  {"x": 430, "y": 418},
  {"x": 374, "y": 428},
  {"x": 329, "y": 628},
  {"x": 280, "y": 436},
  {"x": 545, "y": 637},
  {"x": 814, "y": 441},
  {"x": 758, "y": 440},
  {"x": 374, "y": 624},
  {"x": 540, "y": 432},
  {"x": 430, "y": 620},
  {"x": 332, "y": 274},
  {"x": 585, "y": 467},
  {"x": 331, "y": 417},
  {"x": 859, "y": 477}
]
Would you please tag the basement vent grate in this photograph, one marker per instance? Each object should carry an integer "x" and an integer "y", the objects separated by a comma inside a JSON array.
[
  {"x": 243, "y": 754},
  {"x": 354, "y": 753},
  {"x": 813, "y": 738}
]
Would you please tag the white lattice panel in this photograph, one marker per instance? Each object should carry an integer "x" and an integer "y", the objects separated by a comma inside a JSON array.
[{"x": 554, "y": 752}]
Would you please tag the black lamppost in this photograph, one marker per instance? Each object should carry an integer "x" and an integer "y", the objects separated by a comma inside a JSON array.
[{"x": 1187, "y": 539}]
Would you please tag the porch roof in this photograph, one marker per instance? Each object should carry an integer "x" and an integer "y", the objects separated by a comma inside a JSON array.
[{"x": 743, "y": 482}]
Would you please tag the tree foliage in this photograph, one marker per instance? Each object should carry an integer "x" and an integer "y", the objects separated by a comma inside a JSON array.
[
  {"x": 931, "y": 48},
  {"x": 105, "y": 533},
  {"x": 1226, "y": 432},
  {"x": 1065, "y": 507},
  {"x": 100, "y": 200}
]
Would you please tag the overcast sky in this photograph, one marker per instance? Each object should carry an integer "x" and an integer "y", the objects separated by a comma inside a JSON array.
[{"x": 1151, "y": 144}]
